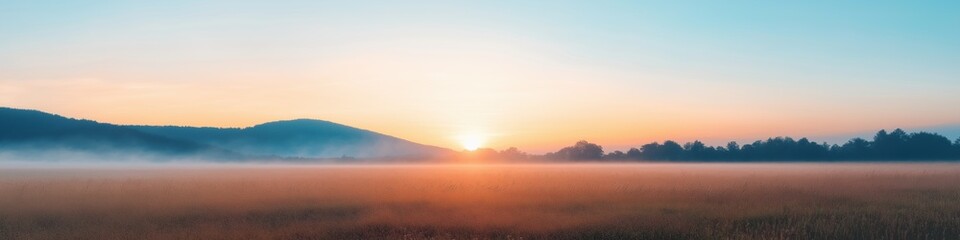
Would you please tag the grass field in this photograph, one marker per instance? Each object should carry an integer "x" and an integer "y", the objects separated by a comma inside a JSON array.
[{"x": 561, "y": 201}]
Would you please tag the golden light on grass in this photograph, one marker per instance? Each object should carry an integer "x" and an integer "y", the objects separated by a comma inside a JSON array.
[{"x": 523, "y": 201}]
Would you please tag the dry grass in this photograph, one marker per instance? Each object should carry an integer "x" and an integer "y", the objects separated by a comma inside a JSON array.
[{"x": 610, "y": 201}]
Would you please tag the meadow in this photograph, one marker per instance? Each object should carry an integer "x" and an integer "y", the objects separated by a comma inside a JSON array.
[{"x": 477, "y": 201}]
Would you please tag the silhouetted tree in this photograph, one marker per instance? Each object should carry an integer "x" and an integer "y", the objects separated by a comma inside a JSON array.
[
  {"x": 926, "y": 146},
  {"x": 694, "y": 150},
  {"x": 733, "y": 151},
  {"x": 635, "y": 153},
  {"x": 655, "y": 151},
  {"x": 651, "y": 151},
  {"x": 616, "y": 155},
  {"x": 890, "y": 146},
  {"x": 897, "y": 145},
  {"x": 513, "y": 153},
  {"x": 486, "y": 154},
  {"x": 857, "y": 148},
  {"x": 956, "y": 147},
  {"x": 582, "y": 150},
  {"x": 807, "y": 150}
]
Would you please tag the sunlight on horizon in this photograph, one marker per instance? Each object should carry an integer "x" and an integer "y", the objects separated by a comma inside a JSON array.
[
  {"x": 472, "y": 141},
  {"x": 539, "y": 76}
]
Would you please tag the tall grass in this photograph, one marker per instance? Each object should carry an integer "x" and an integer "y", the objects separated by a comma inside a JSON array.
[{"x": 577, "y": 201}]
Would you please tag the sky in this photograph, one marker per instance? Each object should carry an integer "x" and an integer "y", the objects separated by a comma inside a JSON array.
[{"x": 537, "y": 75}]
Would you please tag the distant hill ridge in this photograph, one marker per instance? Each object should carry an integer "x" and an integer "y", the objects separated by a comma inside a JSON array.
[
  {"x": 31, "y": 130},
  {"x": 300, "y": 138}
]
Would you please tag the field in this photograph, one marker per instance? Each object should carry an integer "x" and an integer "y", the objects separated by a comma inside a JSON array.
[{"x": 560, "y": 201}]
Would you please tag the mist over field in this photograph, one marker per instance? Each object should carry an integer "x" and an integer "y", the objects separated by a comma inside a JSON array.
[
  {"x": 489, "y": 201},
  {"x": 475, "y": 120}
]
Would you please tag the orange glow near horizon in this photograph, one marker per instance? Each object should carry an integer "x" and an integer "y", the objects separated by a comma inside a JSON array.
[
  {"x": 434, "y": 87},
  {"x": 514, "y": 109},
  {"x": 539, "y": 77},
  {"x": 529, "y": 117}
]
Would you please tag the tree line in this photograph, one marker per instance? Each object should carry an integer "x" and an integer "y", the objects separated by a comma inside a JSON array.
[{"x": 897, "y": 145}]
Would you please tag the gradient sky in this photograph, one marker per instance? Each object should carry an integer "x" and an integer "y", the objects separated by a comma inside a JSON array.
[{"x": 537, "y": 75}]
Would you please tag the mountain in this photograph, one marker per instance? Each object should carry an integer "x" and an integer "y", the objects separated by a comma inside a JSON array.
[
  {"x": 30, "y": 132},
  {"x": 303, "y": 138}
]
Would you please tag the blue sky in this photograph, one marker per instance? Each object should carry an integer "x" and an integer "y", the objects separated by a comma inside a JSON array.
[{"x": 515, "y": 72}]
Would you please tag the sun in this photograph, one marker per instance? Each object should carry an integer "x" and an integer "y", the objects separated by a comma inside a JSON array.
[{"x": 472, "y": 142}]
